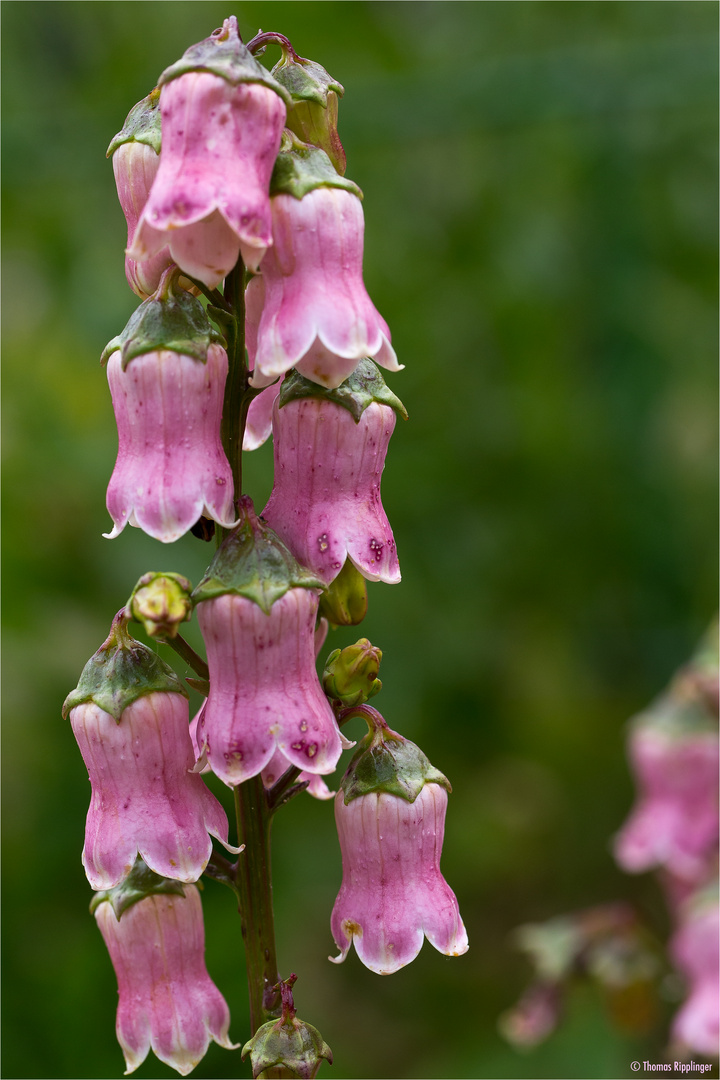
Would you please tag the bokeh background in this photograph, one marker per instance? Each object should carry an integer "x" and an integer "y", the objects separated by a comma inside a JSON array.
[{"x": 540, "y": 201}]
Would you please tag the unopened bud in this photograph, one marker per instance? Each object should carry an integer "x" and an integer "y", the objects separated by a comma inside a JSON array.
[
  {"x": 160, "y": 602},
  {"x": 344, "y": 602},
  {"x": 288, "y": 1042},
  {"x": 350, "y": 674}
]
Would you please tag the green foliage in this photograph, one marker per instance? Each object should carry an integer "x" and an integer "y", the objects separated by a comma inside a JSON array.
[{"x": 540, "y": 200}]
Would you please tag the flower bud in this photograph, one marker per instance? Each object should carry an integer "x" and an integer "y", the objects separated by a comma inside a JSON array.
[
  {"x": 314, "y": 113},
  {"x": 167, "y": 1001},
  {"x": 222, "y": 120},
  {"x": 350, "y": 674},
  {"x": 329, "y": 451},
  {"x": 167, "y": 373},
  {"x": 130, "y": 717},
  {"x": 257, "y": 610},
  {"x": 287, "y": 1042},
  {"x": 390, "y": 816},
  {"x": 345, "y": 601},
  {"x": 309, "y": 304},
  {"x": 160, "y": 602}
]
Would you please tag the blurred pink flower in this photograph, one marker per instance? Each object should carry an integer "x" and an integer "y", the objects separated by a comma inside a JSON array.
[
  {"x": 309, "y": 308},
  {"x": 168, "y": 1003},
  {"x": 694, "y": 948},
  {"x": 392, "y": 892},
  {"x": 210, "y": 198},
  {"x": 325, "y": 503},
  {"x": 171, "y": 468},
  {"x": 265, "y": 694},
  {"x": 135, "y": 165},
  {"x": 145, "y": 799},
  {"x": 674, "y": 823}
]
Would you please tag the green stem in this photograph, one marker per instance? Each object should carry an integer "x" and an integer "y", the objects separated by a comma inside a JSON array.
[
  {"x": 184, "y": 649},
  {"x": 255, "y": 891},
  {"x": 234, "y": 407}
]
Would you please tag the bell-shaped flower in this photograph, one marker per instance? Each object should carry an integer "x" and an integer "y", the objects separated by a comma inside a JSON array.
[
  {"x": 171, "y": 468},
  {"x": 222, "y": 120},
  {"x": 694, "y": 948},
  {"x": 325, "y": 503},
  {"x": 674, "y": 823},
  {"x": 129, "y": 714},
  {"x": 167, "y": 1001},
  {"x": 309, "y": 308},
  {"x": 257, "y": 611},
  {"x": 135, "y": 153},
  {"x": 390, "y": 817}
]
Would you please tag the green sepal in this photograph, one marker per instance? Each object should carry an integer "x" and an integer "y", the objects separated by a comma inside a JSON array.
[
  {"x": 306, "y": 80},
  {"x": 297, "y": 1046},
  {"x": 351, "y": 674},
  {"x": 359, "y": 390},
  {"x": 142, "y": 124},
  {"x": 140, "y": 883},
  {"x": 386, "y": 762},
  {"x": 169, "y": 320},
  {"x": 253, "y": 562},
  {"x": 120, "y": 672},
  {"x": 301, "y": 168},
  {"x": 224, "y": 54}
]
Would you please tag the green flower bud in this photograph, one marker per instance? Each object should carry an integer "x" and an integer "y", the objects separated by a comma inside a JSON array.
[
  {"x": 160, "y": 602},
  {"x": 350, "y": 674},
  {"x": 344, "y": 602}
]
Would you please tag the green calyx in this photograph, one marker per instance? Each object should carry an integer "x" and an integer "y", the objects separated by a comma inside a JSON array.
[
  {"x": 287, "y": 1042},
  {"x": 140, "y": 883},
  {"x": 301, "y": 168},
  {"x": 386, "y": 762},
  {"x": 351, "y": 674},
  {"x": 364, "y": 386},
  {"x": 170, "y": 320},
  {"x": 120, "y": 672},
  {"x": 142, "y": 124},
  {"x": 306, "y": 80},
  {"x": 253, "y": 562},
  {"x": 225, "y": 55}
]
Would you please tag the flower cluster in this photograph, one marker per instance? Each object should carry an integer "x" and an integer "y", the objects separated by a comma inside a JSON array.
[
  {"x": 232, "y": 183},
  {"x": 674, "y": 751}
]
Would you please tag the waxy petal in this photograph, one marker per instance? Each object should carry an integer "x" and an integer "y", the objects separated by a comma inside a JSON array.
[
  {"x": 145, "y": 799},
  {"x": 325, "y": 503}
]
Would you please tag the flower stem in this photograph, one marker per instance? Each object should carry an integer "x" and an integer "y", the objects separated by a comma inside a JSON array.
[
  {"x": 184, "y": 649},
  {"x": 234, "y": 413},
  {"x": 255, "y": 891}
]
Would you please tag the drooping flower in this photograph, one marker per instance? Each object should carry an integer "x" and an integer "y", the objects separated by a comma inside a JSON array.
[
  {"x": 390, "y": 817},
  {"x": 309, "y": 308},
  {"x": 694, "y": 947},
  {"x": 257, "y": 611},
  {"x": 167, "y": 392},
  {"x": 135, "y": 153},
  {"x": 129, "y": 714},
  {"x": 675, "y": 821},
  {"x": 329, "y": 453},
  {"x": 168, "y": 1002},
  {"x": 222, "y": 120}
]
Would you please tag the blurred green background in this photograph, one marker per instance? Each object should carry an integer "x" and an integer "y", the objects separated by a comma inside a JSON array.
[{"x": 540, "y": 201}]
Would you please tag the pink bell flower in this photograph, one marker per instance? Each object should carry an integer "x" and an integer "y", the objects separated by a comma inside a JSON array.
[
  {"x": 135, "y": 165},
  {"x": 210, "y": 199},
  {"x": 171, "y": 468},
  {"x": 694, "y": 948},
  {"x": 265, "y": 694},
  {"x": 168, "y": 1002},
  {"x": 392, "y": 893},
  {"x": 674, "y": 823},
  {"x": 325, "y": 503},
  {"x": 309, "y": 308},
  {"x": 145, "y": 798}
]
